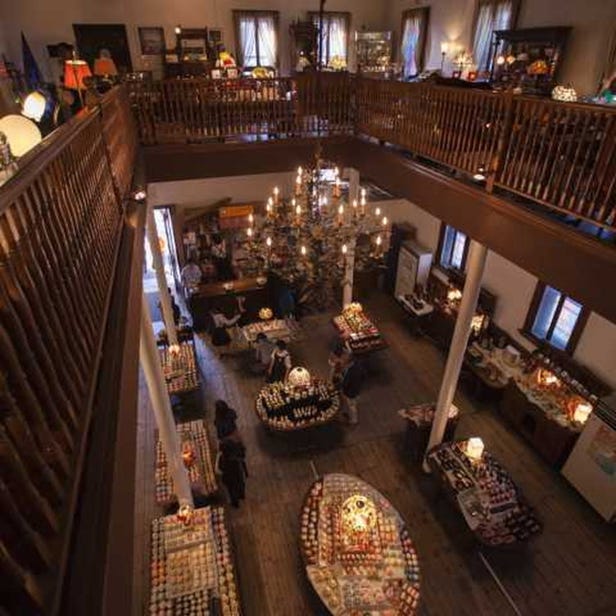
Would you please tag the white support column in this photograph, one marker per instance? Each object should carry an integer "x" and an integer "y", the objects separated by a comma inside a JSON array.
[
  {"x": 161, "y": 405},
  {"x": 468, "y": 304},
  {"x": 163, "y": 289},
  {"x": 349, "y": 272}
]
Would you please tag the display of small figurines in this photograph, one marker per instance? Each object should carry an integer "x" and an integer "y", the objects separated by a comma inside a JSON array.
[
  {"x": 358, "y": 553},
  {"x": 192, "y": 566},
  {"x": 357, "y": 330},
  {"x": 179, "y": 367}
]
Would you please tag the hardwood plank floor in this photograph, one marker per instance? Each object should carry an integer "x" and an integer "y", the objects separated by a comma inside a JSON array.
[{"x": 568, "y": 570}]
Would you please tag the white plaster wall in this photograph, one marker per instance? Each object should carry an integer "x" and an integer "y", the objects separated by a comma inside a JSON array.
[
  {"x": 592, "y": 21},
  {"x": 597, "y": 348},
  {"x": 46, "y": 22}
]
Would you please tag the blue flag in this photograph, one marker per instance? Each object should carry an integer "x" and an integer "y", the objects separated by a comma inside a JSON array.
[{"x": 31, "y": 69}]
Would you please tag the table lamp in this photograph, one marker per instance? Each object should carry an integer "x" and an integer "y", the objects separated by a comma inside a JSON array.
[{"x": 75, "y": 71}]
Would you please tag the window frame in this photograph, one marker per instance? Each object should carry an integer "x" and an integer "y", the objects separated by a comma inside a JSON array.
[
  {"x": 515, "y": 12},
  {"x": 533, "y": 309},
  {"x": 255, "y": 14},
  {"x": 346, "y": 15},
  {"x": 423, "y": 38},
  {"x": 441, "y": 244}
]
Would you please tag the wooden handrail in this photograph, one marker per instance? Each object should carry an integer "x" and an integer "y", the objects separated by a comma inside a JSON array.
[
  {"x": 560, "y": 155},
  {"x": 60, "y": 217}
]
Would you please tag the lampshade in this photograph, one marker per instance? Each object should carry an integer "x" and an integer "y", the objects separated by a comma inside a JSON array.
[
  {"x": 22, "y": 134},
  {"x": 75, "y": 71},
  {"x": 34, "y": 106},
  {"x": 104, "y": 67}
]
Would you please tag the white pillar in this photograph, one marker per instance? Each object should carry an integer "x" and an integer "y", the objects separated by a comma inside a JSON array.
[
  {"x": 163, "y": 289},
  {"x": 468, "y": 304},
  {"x": 349, "y": 272},
  {"x": 161, "y": 405},
  {"x": 353, "y": 176}
]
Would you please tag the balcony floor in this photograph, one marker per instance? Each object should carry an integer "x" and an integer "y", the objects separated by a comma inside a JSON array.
[{"x": 568, "y": 569}]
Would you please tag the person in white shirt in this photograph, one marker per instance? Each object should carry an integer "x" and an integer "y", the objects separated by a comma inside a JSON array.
[
  {"x": 191, "y": 274},
  {"x": 221, "y": 338}
]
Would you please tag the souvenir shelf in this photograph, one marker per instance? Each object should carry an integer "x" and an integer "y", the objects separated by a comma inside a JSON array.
[
  {"x": 528, "y": 58},
  {"x": 277, "y": 329},
  {"x": 197, "y": 457},
  {"x": 358, "y": 553},
  {"x": 373, "y": 52},
  {"x": 192, "y": 566},
  {"x": 484, "y": 492},
  {"x": 357, "y": 331},
  {"x": 286, "y": 407},
  {"x": 180, "y": 369}
]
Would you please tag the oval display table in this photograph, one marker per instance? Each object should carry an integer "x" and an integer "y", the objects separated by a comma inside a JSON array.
[
  {"x": 358, "y": 554},
  {"x": 283, "y": 407}
]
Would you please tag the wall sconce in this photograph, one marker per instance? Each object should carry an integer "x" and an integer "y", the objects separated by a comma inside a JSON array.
[{"x": 178, "y": 30}]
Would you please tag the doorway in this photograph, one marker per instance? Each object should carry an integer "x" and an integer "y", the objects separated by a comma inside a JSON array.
[{"x": 91, "y": 38}]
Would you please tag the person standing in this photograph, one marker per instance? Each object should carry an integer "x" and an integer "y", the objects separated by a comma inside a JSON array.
[
  {"x": 191, "y": 274},
  {"x": 221, "y": 338},
  {"x": 337, "y": 361},
  {"x": 231, "y": 466},
  {"x": 351, "y": 386},
  {"x": 280, "y": 363},
  {"x": 224, "y": 420},
  {"x": 263, "y": 354},
  {"x": 221, "y": 258}
]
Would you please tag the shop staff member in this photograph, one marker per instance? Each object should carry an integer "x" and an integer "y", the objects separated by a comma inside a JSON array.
[
  {"x": 221, "y": 258},
  {"x": 280, "y": 363},
  {"x": 191, "y": 274}
]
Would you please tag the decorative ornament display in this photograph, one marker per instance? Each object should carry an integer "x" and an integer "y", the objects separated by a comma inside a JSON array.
[
  {"x": 21, "y": 134},
  {"x": 565, "y": 94},
  {"x": 299, "y": 377},
  {"x": 359, "y": 514},
  {"x": 265, "y": 314},
  {"x": 337, "y": 63},
  {"x": 357, "y": 330},
  {"x": 474, "y": 448}
]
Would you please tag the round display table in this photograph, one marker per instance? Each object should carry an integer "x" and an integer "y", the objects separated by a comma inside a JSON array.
[{"x": 357, "y": 551}]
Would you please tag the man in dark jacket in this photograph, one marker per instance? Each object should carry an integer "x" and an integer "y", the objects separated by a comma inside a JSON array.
[{"x": 351, "y": 386}]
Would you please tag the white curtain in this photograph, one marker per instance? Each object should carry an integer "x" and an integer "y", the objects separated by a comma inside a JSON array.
[
  {"x": 268, "y": 41},
  {"x": 492, "y": 16},
  {"x": 248, "y": 41},
  {"x": 335, "y": 36},
  {"x": 410, "y": 45}
]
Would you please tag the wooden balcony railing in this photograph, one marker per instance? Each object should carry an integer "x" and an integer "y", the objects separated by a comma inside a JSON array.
[
  {"x": 562, "y": 156},
  {"x": 59, "y": 229}
]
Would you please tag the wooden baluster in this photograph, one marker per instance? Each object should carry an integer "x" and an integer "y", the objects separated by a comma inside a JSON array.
[
  {"x": 604, "y": 169},
  {"x": 28, "y": 445},
  {"x": 21, "y": 591}
]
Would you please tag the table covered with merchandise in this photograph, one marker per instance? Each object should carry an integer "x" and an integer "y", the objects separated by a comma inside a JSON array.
[
  {"x": 276, "y": 329},
  {"x": 485, "y": 494},
  {"x": 358, "y": 553},
  {"x": 286, "y": 407},
  {"x": 197, "y": 457},
  {"x": 358, "y": 331},
  {"x": 192, "y": 568},
  {"x": 180, "y": 368}
]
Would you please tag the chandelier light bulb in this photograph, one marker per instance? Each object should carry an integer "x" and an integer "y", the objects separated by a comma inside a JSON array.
[
  {"x": 336, "y": 172},
  {"x": 268, "y": 241},
  {"x": 303, "y": 251},
  {"x": 300, "y": 171},
  {"x": 251, "y": 219},
  {"x": 377, "y": 212},
  {"x": 384, "y": 221},
  {"x": 298, "y": 210},
  {"x": 344, "y": 249},
  {"x": 363, "y": 193},
  {"x": 379, "y": 240},
  {"x": 249, "y": 232},
  {"x": 341, "y": 210},
  {"x": 355, "y": 204}
]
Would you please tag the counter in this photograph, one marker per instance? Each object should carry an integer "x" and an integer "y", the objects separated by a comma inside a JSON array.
[{"x": 357, "y": 551}]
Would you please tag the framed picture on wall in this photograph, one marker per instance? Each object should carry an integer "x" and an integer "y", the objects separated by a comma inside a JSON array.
[
  {"x": 152, "y": 41},
  {"x": 215, "y": 36}
]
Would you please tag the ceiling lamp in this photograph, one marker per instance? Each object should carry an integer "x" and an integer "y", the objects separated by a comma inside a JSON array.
[
  {"x": 309, "y": 239},
  {"x": 34, "y": 106},
  {"x": 21, "y": 134}
]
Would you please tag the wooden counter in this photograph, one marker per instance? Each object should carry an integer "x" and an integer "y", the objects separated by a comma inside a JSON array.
[{"x": 214, "y": 295}]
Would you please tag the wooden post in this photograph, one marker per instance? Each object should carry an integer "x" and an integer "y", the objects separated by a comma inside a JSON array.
[
  {"x": 161, "y": 405},
  {"x": 163, "y": 289},
  {"x": 468, "y": 304}
]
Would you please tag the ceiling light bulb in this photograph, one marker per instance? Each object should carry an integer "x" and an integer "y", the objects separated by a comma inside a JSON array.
[
  {"x": 344, "y": 249},
  {"x": 355, "y": 203},
  {"x": 377, "y": 212},
  {"x": 341, "y": 210},
  {"x": 379, "y": 240},
  {"x": 303, "y": 251},
  {"x": 298, "y": 210},
  {"x": 268, "y": 241},
  {"x": 249, "y": 232},
  {"x": 384, "y": 221},
  {"x": 251, "y": 219}
]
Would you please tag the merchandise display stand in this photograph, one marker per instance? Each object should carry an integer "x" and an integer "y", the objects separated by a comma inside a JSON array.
[
  {"x": 356, "y": 548},
  {"x": 358, "y": 331}
]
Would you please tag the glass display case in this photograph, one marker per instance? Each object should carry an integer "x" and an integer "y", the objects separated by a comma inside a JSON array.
[{"x": 373, "y": 51}]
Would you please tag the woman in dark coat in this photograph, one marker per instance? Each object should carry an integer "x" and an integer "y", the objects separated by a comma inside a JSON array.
[
  {"x": 231, "y": 464},
  {"x": 224, "y": 420}
]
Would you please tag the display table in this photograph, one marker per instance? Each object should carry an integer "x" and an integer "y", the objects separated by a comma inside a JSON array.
[
  {"x": 192, "y": 566},
  {"x": 357, "y": 331},
  {"x": 485, "y": 495},
  {"x": 180, "y": 369},
  {"x": 419, "y": 311},
  {"x": 356, "y": 548},
  {"x": 197, "y": 456},
  {"x": 283, "y": 407},
  {"x": 277, "y": 329},
  {"x": 419, "y": 420},
  {"x": 223, "y": 295},
  {"x": 487, "y": 372}
]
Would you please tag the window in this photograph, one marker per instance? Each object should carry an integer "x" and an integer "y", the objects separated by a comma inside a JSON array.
[
  {"x": 335, "y": 35},
  {"x": 453, "y": 248},
  {"x": 491, "y": 15},
  {"x": 414, "y": 28},
  {"x": 555, "y": 318},
  {"x": 256, "y": 34}
]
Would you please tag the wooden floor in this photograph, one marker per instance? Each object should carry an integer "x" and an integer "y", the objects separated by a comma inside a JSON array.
[{"x": 569, "y": 570}]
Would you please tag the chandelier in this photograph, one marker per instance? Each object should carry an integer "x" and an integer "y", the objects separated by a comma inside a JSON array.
[{"x": 313, "y": 238}]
